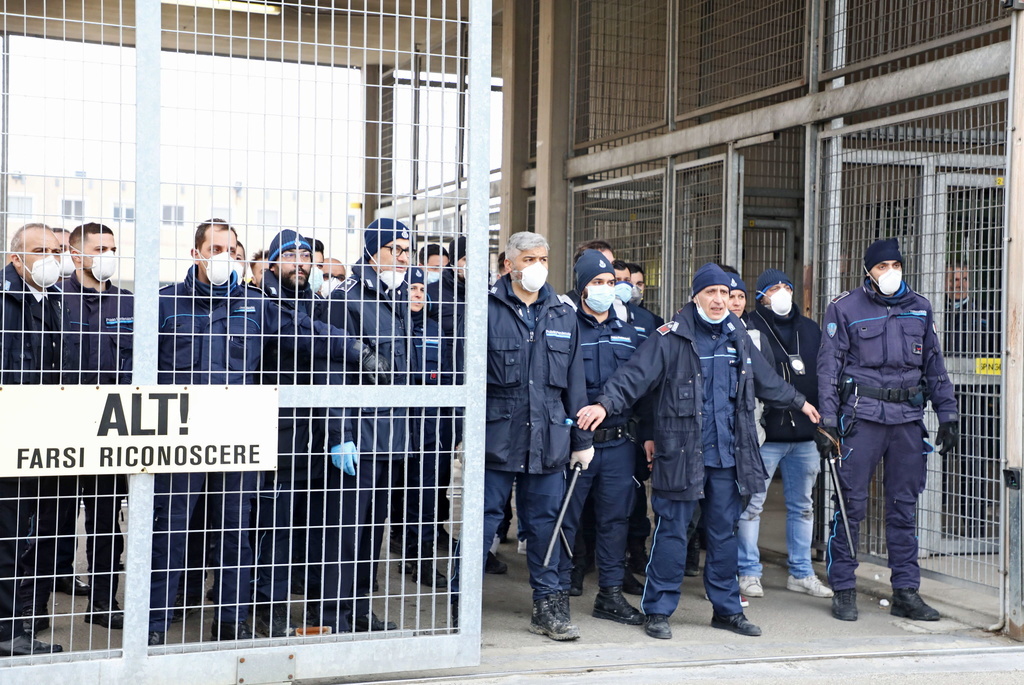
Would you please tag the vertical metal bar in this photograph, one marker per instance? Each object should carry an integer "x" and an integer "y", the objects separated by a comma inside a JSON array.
[
  {"x": 731, "y": 231},
  {"x": 669, "y": 258},
  {"x": 476, "y": 326},
  {"x": 138, "y": 546},
  {"x": 5, "y": 133},
  {"x": 1013, "y": 310}
]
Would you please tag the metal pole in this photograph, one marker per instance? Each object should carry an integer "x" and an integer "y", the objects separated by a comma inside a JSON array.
[{"x": 1013, "y": 326}]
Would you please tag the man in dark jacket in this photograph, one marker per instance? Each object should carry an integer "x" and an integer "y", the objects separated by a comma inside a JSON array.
[
  {"x": 706, "y": 373},
  {"x": 606, "y": 342},
  {"x": 370, "y": 304},
  {"x": 879, "y": 363},
  {"x": 304, "y": 437},
  {"x": 30, "y": 354},
  {"x": 789, "y": 439},
  {"x": 212, "y": 332},
  {"x": 98, "y": 323},
  {"x": 535, "y": 385}
]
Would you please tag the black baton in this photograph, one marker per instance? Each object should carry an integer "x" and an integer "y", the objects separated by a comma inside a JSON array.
[
  {"x": 831, "y": 461},
  {"x": 576, "y": 470}
]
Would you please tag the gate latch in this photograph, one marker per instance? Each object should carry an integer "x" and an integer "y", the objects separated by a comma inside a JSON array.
[{"x": 1012, "y": 478}]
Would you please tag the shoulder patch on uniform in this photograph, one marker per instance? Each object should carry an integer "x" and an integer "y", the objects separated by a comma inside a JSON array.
[
  {"x": 668, "y": 327},
  {"x": 347, "y": 284},
  {"x": 831, "y": 329},
  {"x": 494, "y": 290},
  {"x": 840, "y": 296}
]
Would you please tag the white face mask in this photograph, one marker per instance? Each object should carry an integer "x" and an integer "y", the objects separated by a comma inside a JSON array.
[
  {"x": 534, "y": 277},
  {"x": 329, "y": 286},
  {"x": 104, "y": 266},
  {"x": 703, "y": 315},
  {"x": 46, "y": 271},
  {"x": 239, "y": 269},
  {"x": 67, "y": 265},
  {"x": 782, "y": 302},
  {"x": 219, "y": 268},
  {"x": 433, "y": 277},
  {"x": 315, "y": 279},
  {"x": 390, "y": 278},
  {"x": 890, "y": 281}
]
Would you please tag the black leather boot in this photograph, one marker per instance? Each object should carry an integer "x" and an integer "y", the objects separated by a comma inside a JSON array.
[
  {"x": 906, "y": 603},
  {"x": 611, "y": 605},
  {"x": 547, "y": 620},
  {"x": 844, "y": 605}
]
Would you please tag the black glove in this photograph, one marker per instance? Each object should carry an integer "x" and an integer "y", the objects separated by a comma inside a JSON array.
[
  {"x": 375, "y": 364},
  {"x": 948, "y": 436},
  {"x": 826, "y": 447}
]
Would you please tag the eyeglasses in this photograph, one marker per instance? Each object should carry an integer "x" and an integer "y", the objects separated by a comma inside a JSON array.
[
  {"x": 397, "y": 250},
  {"x": 295, "y": 256}
]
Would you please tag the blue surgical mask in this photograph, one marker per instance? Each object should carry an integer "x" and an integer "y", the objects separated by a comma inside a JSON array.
[
  {"x": 433, "y": 277},
  {"x": 707, "y": 318},
  {"x": 624, "y": 291},
  {"x": 316, "y": 278},
  {"x": 600, "y": 297}
]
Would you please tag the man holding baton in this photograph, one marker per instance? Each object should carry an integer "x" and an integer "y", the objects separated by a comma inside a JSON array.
[
  {"x": 705, "y": 373},
  {"x": 878, "y": 364},
  {"x": 535, "y": 385}
]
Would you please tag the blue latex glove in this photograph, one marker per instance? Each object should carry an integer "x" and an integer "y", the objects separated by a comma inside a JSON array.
[{"x": 345, "y": 457}]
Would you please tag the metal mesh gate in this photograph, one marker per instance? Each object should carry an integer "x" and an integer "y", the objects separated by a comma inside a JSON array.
[
  {"x": 934, "y": 179},
  {"x": 626, "y": 212},
  {"x": 220, "y": 162}
]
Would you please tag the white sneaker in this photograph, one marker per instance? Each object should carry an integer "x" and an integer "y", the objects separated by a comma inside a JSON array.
[
  {"x": 521, "y": 549},
  {"x": 751, "y": 586},
  {"x": 809, "y": 586}
]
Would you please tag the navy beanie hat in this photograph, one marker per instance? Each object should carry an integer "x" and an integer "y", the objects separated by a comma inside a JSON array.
[
  {"x": 381, "y": 232},
  {"x": 740, "y": 285},
  {"x": 286, "y": 240},
  {"x": 711, "y": 274},
  {"x": 457, "y": 249},
  {"x": 415, "y": 275},
  {"x": 882, "y": 251},
  {"x": 770, "y": 278},
  {"x": 590, "y": 264}
]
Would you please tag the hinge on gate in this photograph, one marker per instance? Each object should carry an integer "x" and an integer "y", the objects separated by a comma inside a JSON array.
[{"x": 1013, "y": 4}]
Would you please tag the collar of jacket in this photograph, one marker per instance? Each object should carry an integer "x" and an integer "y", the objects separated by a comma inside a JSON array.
[
  {"x": 686, "y": 322},
  {"x": 204, "y": 290},
  {"x": 613, "y": 322},
  {"x": 902, "y": 296},
  {"x": 452, "y": 281},
  {"x": 367, "y": 276},
  {"x": 14, "y": 286},
  {"x": 71, "y": 284}
]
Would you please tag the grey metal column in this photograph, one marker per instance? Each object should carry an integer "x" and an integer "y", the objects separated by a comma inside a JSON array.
[
  {"x": 553, "y": 143},
  {"x": 476, "y": 326},
  {"x": 1013, "y": 325},
  {"x": 139, "y": 542},
  {"x": 516, "y": 26}
]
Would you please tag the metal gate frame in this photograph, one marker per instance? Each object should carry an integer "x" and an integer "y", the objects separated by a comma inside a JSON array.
[
  {"x": 827, "y": 237},
  {"x": 287, "y": 660}
]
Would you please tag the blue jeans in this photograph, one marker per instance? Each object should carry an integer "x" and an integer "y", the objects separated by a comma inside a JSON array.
[{"x": 800, "y": 465}]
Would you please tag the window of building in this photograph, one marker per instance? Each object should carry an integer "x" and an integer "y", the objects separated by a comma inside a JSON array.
[
  {"x": 19, "y": 207},
  {"x": 72, "y": 209},
  {"x": 123, "y": 213},
  {"x": 173, "y": 214}
]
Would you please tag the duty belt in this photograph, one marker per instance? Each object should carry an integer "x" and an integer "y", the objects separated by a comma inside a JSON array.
[
  {"x": 888, "y": 394},
  {"x": 609, "y": 434}
]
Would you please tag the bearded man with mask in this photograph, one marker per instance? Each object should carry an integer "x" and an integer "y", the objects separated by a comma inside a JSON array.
[
  {"x": 879, "y": 363},
  {"x": 704, "y": 373},
  {"x": 535, "y": 386},
  {"x": 792, "y": 340},
  {"x": 212, "y": 332},
  {"x": 30, "y": 354}
]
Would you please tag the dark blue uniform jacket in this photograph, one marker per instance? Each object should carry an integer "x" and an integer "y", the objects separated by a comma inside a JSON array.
[
  {"x": 668, "y": 364},
  {"x": 881, "y": 342},
  {"x": 30, "y": 339},
  {"x": 97, "y": 334},
  {"x": 362, "y": 306},
  {"x": 535, "y": 381},
  {"x": 304, "y": 433}
]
